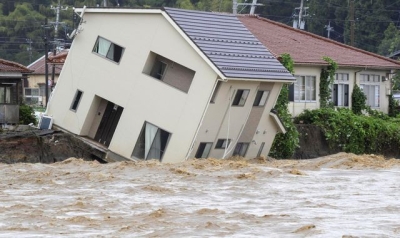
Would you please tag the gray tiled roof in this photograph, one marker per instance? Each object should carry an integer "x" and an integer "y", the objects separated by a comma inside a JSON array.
[{"x": 229, "y": 45}]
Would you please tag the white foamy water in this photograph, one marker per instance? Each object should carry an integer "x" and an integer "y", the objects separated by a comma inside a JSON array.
[{"x": 200, "y": 199}]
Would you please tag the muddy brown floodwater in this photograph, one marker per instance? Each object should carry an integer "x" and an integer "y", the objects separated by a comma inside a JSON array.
[{"x": 343, "y": 195}]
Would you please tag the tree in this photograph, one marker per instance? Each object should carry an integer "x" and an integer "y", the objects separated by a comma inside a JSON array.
[
  {"x": 358, "y": 99},
  {"x": 391, "y": 41}
]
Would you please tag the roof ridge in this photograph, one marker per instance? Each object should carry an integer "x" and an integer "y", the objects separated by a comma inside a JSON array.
[
  {"x": 242, "y": 55},
  {"x": 15, "y": 64},
  {"x": 254, "y": 69},
  {"x": 224, "y": 40},
  {"x": 322, "y": 38}
]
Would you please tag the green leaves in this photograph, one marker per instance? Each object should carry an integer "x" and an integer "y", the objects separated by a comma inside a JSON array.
[
  {"x": 284, "y": 145},
  {"x": 326, "y": 80},
  {"x": 353, "y": 133}
]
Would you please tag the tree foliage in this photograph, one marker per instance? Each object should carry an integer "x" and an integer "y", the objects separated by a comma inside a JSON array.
[
  {"x": 326, "y": 80},
  {"x": 358, "y": 100},
  {"x": 377, "y": 133},
  {"x": 21, "y": 21},
  {"x": 284, "y": 145}
]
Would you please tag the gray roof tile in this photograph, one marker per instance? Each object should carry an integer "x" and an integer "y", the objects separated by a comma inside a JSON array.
[{"x": 229, "y": 45}]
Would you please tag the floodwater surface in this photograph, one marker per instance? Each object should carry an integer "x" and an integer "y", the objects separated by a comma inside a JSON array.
[{"x": 342, "y": 195}]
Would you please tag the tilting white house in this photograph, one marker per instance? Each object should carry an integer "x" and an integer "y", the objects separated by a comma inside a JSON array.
[{"x": 169, "y": 84}]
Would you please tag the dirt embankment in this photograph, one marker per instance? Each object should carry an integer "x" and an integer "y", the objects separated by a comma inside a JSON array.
[{"x": 38, "y": 146}]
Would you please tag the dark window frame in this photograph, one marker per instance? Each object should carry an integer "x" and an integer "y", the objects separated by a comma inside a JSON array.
[
  {"x": 238, "y": 149},
  {"x": 238, "y": 100},
  {"x": 117, "y": 53},
  {"x": 163, "y": 143},
  {"x": 201, "y": 148},
  {"x": 220, "y": 144},
  {"x": 76, "y": 101},
  {"x": 157, "y": 67},
  {"x": 259, "y": 96}
]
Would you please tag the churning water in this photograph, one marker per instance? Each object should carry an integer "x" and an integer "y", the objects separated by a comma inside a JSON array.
[{"x": 343, "y": 195}]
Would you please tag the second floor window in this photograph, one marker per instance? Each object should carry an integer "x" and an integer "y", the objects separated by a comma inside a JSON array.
[{"x": 108, "y": 49}]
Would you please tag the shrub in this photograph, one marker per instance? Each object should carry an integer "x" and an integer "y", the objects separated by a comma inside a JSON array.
[
  {"x": 358, "y": 99},
  {"x": 355, "y": 133},
  {"x": 26, "y": 115}
]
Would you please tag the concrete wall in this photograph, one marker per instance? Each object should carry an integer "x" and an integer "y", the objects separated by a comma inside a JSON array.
[{"x": 142, "y": 97}]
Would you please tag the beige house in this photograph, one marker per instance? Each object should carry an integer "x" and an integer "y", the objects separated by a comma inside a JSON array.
[
  {"x": 370, "y": 71},
  {"x": 12, "y": 76},
  {"x": 174, "y": 84},
  {"x": 35, "y": 85}
]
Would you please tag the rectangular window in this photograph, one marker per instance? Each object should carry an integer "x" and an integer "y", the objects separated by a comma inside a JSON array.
[
  {"x": 370, "y": 85},
  {"x": 152, "y": 143},
  {"x": 77, "y": 99},
  {"x": 304, "y": 89},
  {"x": 32, "y": 92},
  {"x": 108, "y": 49},
  {"x": 340, "y": 91},
  {"x": 261, "y": 98},
  {"x": 8, "y": 93},
  {"x": 204, "y": 150},
  {"x": 240, "y": 97},
  {"x": 241, "y": 149},
  {"x": 158, "y": 69},
  {"x": 215, "y": 92},
  {"x": 222, "y": 143}
]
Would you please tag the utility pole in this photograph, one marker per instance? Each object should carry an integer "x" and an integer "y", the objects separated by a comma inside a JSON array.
[
  {"x": 46, "y": 74},
  {"x": 56, "y": 42},
  {"x": 329, "y": 29},
  {"x": 352, "y": 22},
  {"x": 301, "y": 13},
  {"x": 299, "y": 23},
  {"x": 252, "y": 9}
]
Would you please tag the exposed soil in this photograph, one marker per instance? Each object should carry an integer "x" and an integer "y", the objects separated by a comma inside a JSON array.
[{"x": 41, "y": 146}]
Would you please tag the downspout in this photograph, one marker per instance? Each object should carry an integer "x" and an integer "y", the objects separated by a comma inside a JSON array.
[{"x": 201, "y": 120}]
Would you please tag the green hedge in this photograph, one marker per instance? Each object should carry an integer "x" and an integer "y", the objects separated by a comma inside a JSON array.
[{"x": 359, "y": 134}]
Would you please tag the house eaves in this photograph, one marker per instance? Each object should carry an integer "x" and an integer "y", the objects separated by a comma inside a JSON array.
[
  {"x": 231, "y": 48},
  {"x": 307, "y": 48},
  {"x": 222, "y": 41}
]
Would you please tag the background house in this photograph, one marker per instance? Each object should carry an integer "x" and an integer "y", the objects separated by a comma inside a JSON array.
[
  {"x": 174, "y": 84},
  {"x": 12, "y": 75},
  {"x": 370, "y": 71},
  {"x": 35, "y": 89}
]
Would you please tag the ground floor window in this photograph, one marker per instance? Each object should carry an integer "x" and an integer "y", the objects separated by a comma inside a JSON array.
[
  {"x": 372, "y": 94},
  {"x": 152, "y": 143},
  {"x": 340, "y": 95},
  {"x": 303, "y": 90},
  {"x": 340, "y": 90},
  {"x": 204, "y": 150},
  {"x": 241, "y": 149},
  {"x": 222, "y": 143},
  {"x": 5, "y": 94}
]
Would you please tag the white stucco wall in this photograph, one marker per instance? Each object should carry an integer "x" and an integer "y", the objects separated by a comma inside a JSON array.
[
  {"x": 295, "y": 108},
  {"x": 142, "y": 97},
  {"x": 225, "y": 121}
]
